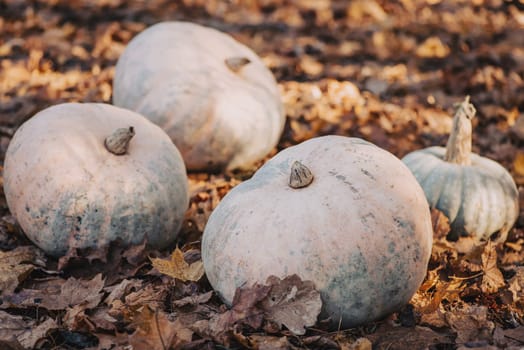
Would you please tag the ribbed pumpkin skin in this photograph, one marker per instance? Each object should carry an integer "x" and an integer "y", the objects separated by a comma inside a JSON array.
[
  {"x": 478, "y": 199},
  {"x": 175, "y": 74},
  {"x": 66, "y": 190},
  {"x": 361, "y": 231}
]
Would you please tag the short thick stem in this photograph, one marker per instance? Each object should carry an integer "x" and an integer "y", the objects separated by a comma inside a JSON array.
[
  {"x": 118, "y": 142},
  {"x": 300, "y": 175},
  {"x": 458, "y": 148},
  {"x": 235, "y": 64}
]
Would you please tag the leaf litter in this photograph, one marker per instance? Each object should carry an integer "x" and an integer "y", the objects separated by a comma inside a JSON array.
[{"x": 386, "y": 71}]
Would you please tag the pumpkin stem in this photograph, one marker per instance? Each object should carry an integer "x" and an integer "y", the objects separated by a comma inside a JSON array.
[
  {"x": 300, "y": 175},
  {"x": 235, "y": 64},
  {"x": 118, "y": 142},
  {"x": 458, "y": 148}
]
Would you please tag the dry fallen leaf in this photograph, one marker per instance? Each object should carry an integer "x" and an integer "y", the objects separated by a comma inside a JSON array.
[
  {"x": 387, "y": 337},
  {"x": 25, "y": 331},
  {"x": 470, "y": 323},
  {"x": 518, "y": 163},
  {"x": 154, "y": 331},
  {"x": 433, "y": 47},
  {"x": 120, "y": 290},
  {"x": 440, "y": 224},
  {"x": 361, "y": 344},
  {"x": 178, "y": 268},
  {"x": 16, "y": 265},
  {"x": 67, "y": 294},
  {"x": 193, "y": 299},
  {"x": 516, "y": 285},
  {"x": 12, "y": 326},
  {"x": 262, "y": 342},
  {"x": 492, "y": 278},
  {"x": 292, "y": 302}
]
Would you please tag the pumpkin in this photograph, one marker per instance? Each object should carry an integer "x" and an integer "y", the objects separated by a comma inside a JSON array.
[
  {"x": 477, "y": 194},
  {"x": 213, "y": 96},
  {"x": 84, "y": 175},
  {"x": 338, "y": 211}
]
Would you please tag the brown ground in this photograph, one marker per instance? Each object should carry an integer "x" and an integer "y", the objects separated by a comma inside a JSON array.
[{"x": 386, "y": 71}]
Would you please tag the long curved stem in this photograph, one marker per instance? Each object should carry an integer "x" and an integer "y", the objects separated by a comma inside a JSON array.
[{"x": 458, "y": 148}]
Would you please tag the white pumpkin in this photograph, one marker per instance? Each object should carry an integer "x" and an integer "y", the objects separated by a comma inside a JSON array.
[
  {"x": 338, "y": 211},
  {"x": 215, "y": 98},
  {"x": 84, "y": 175}
]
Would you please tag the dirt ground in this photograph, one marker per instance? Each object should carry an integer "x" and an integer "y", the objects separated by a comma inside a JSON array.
[{"x": 386, "y": 71}]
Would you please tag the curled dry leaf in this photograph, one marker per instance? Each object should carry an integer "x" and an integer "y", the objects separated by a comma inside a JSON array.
[
  {"x": 178, "y": 268},
  {"x": 492, "y": 279},
  {"x": 193, "y": 299},
  {"x": 150, "y": 295},
  {"x": 516, "y": 285},
  {"x": 16, "y": 265},
  {"x": 440, "y": 223},
  {"x": 292, "y": 302},
  {"x": 118, "y": 291}
]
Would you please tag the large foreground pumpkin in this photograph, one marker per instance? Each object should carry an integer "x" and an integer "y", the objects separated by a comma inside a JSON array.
[
  {"x": 84, "y": 175},
  {"x": 338, "y": 211},
  {"x": 214, "y": 96}
]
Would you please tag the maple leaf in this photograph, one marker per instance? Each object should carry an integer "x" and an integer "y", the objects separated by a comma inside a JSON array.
[
  {"x": 289, "y": 301},
  {"x": 178, "y": 268},
  {"x": 492, "y": 278},
  {"x": 292, "y": 302}
]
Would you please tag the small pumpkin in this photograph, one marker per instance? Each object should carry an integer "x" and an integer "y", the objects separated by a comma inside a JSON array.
[
  {"x": 477, "y": 194},
  {"x": 214, "y": 96},
  {"x": 335, "y": 210},
  {"x": 84, "y": 175}
]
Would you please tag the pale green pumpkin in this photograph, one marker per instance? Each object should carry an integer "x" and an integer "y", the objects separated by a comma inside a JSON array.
[
  {"x": 85, "y": 175},
  {"x": 326, "y": 211},
  {"x": 477, "y": 194},
  {"x": 212, "y": 95}
]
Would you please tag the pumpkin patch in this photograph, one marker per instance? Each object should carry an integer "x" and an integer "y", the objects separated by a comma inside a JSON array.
[{"x": 388, "y": 72}]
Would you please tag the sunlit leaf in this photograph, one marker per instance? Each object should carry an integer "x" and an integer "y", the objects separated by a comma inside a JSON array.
[{"x": 178, "y": 268}]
